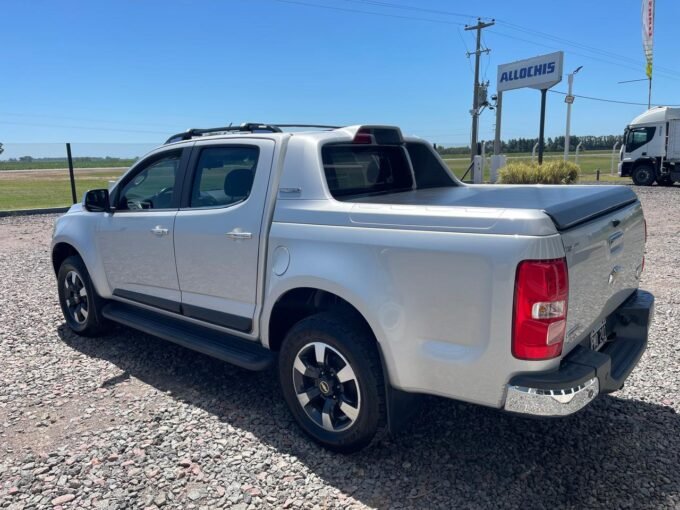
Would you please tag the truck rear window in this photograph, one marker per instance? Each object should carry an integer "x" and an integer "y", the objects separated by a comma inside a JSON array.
[{"x": 366, "y": 169}]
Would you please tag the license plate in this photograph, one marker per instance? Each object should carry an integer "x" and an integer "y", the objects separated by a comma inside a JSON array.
[{"x": 598, "y": 336}]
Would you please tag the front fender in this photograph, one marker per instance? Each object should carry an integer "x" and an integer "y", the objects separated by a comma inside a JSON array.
[{"x": 78, "y": 229}]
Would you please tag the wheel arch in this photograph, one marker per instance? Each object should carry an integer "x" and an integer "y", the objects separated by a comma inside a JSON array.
[
  {"x": 644, "y": 161},
  {"x": 60, "y": 252},
  {"x": 400, "y": 406},
  {"x": 299, "y": 302}
]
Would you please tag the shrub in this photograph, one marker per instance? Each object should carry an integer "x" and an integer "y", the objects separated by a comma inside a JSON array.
[{"x": 553, "y": 172}]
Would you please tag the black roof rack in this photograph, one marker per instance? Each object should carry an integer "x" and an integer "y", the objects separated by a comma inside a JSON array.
[{"x": 248, "y": 127}]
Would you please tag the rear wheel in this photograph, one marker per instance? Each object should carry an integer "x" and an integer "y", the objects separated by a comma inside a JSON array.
[
  {"x": 330, "y": 374},
  {"x": 665, "y": 180},
  {"x": 79, "y": 302},
  {"x": 643, "y": 175}
]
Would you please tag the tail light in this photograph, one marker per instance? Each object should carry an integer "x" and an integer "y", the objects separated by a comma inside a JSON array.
[{"x": 540, "y": 315}]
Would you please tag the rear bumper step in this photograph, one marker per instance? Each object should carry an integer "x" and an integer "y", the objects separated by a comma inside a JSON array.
[
  {"x": 237, "y": 351},
  {"x": 584, "y": 373}
]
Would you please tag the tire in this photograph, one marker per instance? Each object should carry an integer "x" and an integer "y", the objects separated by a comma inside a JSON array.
[
  {"x": 79, "y": 302},
  {"x": 643, "y": 175},
  {"x": 665, "y": 180},
  {"x": 333, "y": 357}
]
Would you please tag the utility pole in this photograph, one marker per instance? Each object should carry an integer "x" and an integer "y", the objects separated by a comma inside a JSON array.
[{"x": 475, "y": 94}]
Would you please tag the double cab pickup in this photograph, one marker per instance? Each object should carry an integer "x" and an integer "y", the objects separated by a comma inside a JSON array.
[{"x": 353, "y": 261}]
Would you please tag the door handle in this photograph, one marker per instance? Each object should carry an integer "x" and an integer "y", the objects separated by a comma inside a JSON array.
[
  {"x": 159, "y": 231},
  {"x": 237, "y": 234}
]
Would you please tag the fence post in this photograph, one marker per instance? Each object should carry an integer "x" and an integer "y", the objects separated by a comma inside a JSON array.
[
  {"x": 611, "y": 171},
  {"x": 533, "y": 152},
  {"x": 70, "y": 173}
]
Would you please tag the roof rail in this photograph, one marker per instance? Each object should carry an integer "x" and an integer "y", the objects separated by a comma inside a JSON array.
[
  {"x": 321, "y": 126},
  {"x": 248, "y": 127}
]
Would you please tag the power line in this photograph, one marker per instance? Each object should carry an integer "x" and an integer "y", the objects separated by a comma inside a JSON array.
[
  {"x": 592, "y": 57},
  {"x": 89, "y": 128},
  {"x": 356, "y": 11},
  {"x": 415, "y": 9},
  {"x": 467, "y": 51},
  {"x": 607, "y": 100},
  {"x": 530, "y": 31},
  {"x": 592, "y": 49}
]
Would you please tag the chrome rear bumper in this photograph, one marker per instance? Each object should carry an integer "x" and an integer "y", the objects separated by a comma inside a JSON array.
[
  {"x": 521, "y": 399},
  {"x": 584, "y": 373}
]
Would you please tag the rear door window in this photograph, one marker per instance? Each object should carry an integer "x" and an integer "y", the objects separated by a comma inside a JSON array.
[{"x": 224, "y": 176}]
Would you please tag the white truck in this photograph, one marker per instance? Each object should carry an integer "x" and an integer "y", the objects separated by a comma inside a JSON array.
[
  {"x": 354, "y": 261},
  {"x": 651, "y": 148}
]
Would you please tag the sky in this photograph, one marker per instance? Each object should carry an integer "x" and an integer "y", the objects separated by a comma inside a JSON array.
[{"x": 119, "y": 76}]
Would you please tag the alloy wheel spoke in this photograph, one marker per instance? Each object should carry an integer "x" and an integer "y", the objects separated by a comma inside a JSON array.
[
  {"x": 326, "y": 419},
  {"x": 83, "y": 292},
  {"x": 305, "y": 369},
  {"x": 346, "y": 374},
  {"x": 349, "y": 410},
  {"x": 320, "y": 353},
  {"x": 306, "y": 396}
]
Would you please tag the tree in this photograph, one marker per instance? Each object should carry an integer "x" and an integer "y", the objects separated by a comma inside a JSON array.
[{"x": 1, "y": 149}]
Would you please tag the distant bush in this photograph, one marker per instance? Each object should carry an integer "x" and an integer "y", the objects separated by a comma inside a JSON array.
[{"x": 553, "y": 172}]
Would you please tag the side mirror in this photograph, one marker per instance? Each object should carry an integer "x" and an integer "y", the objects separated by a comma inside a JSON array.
[{"x": 97, "y": 200}]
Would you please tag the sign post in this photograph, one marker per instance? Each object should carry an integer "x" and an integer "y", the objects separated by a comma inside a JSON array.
[{"x": 540, "y": 73}]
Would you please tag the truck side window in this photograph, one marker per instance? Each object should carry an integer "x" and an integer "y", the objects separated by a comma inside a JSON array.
[
  {"x": 429, "y": 171},
  {"x": 153, "y": 186},
  {"x": 637, "y": 137},
  {"x": 223, "y": 176},
  {"x": 354, "y": 170}
]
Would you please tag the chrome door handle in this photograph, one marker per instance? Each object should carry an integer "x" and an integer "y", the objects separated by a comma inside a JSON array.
[
  {"x": 159, "y": 231},
  {"x": 236, "y": 235}
]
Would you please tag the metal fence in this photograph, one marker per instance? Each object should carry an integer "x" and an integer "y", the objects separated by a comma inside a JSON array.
[{"x": 42, "y": 175}]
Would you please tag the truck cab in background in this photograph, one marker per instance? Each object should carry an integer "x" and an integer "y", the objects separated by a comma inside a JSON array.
[{"x": 651, "y": 148}]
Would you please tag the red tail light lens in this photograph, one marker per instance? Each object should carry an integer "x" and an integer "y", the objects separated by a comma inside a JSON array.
[{"x": 540, "y": 315}]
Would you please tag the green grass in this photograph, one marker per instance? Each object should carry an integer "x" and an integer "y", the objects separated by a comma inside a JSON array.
[
  {"x": 589, "y": 163},
  {"x": 48, "y": 189},
  {"x": 29, "y": 190},
  {"x": 39, "y": 164}
]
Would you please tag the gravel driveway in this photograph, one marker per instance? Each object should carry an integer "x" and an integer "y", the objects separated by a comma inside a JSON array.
[{"x": 128, "y": 421}]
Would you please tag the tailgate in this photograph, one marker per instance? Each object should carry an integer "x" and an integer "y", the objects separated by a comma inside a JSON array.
[{"x": 604, "y": 257}]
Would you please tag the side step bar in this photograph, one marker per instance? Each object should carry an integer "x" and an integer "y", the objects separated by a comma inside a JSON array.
[{"x": 234, "y": 350}]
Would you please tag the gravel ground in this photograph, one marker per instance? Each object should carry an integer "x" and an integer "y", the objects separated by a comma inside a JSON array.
[{"x": 129, "y": 421}]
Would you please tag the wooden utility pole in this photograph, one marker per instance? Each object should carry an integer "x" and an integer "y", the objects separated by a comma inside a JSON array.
[{"x": 475, "y": 93}]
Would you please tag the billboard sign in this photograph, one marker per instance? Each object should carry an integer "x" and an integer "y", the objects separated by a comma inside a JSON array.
[{"x": 537, "y": 73}]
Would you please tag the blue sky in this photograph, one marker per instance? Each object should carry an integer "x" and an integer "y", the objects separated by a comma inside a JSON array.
[{"x": 135, "y": 71}]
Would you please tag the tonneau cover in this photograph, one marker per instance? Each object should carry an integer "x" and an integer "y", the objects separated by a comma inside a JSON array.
[{"x": 567, "y": 205}]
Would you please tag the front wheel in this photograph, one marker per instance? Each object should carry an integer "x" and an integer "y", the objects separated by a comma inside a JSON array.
[
  {"x": 643, "y": 175},
  {"x": 330, "y": 374},
  {"x": 79, "y": 302}
]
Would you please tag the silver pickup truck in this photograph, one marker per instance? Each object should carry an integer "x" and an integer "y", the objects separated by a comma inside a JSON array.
[{"x": 354, "y": 260}]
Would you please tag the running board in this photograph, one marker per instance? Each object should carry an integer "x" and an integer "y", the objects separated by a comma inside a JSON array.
[{"x": 237, "y": 351}]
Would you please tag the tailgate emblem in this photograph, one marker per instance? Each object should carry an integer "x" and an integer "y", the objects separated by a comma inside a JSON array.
[{"x": 614, "y": 274}]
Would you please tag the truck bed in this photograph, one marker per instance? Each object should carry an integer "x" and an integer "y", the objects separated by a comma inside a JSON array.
[{"x": 567, "y": 206}]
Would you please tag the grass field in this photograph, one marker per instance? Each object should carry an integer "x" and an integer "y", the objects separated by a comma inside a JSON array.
[
  {"x": 51, "y": 188},
  {"x": 589, "y": 162},
  {"x": 51, "y": 164}
]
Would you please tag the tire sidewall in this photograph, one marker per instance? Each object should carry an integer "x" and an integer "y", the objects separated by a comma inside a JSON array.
[
  {"x": 645, "y": 170},
  {"x": 331, "y": 332},
  {"x": 91, "y": 324}
]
